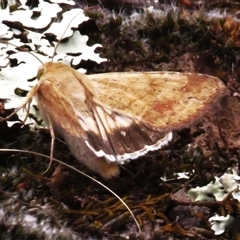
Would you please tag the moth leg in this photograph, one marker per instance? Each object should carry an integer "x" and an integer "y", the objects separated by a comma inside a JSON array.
[
  {"x": 28, "y": 99},
  {"x": 27, "y": 108},
  {"x": 52, "y": 145}
]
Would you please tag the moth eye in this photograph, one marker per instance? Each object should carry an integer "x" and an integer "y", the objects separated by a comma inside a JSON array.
[{"x": 40, "y": 72}]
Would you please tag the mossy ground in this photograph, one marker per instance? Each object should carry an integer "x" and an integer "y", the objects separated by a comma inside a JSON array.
[{"x": 74, "y": 207}]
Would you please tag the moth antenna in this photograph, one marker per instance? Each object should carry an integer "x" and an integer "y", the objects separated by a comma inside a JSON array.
[
  {"x": 62, "y": 36},
  {"x": 84, "y": 174},
  {"x": 52, "y": 145},
  {"x": 7, "y": 43},
  {"x": 36, "y": 58},
  {"x": 61, "y": 141}
]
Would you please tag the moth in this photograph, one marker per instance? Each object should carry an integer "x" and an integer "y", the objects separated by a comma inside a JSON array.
[{"x": 110, "y": 118}]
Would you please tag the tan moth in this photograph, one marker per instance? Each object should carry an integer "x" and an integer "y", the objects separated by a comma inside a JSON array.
[{"x": 108, "y": 119}]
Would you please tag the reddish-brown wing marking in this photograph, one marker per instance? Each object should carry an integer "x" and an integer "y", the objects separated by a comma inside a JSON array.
[
  {"x": 121, "y": 116},
  {"x": 163, "y": 100}
]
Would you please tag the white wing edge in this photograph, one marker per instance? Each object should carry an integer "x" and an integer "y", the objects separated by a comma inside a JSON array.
[{"x": 127, "y": 156}]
